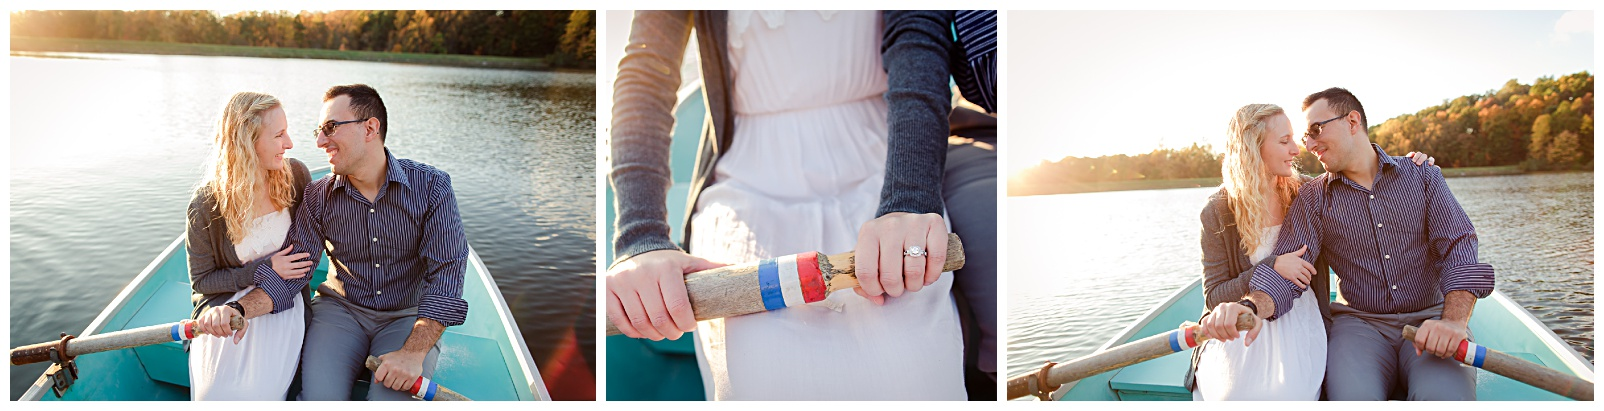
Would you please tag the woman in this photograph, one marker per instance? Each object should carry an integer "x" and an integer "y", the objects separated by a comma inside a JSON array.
[
  {"x": 1240, "y": 225},
  {"x": 238, "y": 222},
  {"x": 799, "y": 153}
]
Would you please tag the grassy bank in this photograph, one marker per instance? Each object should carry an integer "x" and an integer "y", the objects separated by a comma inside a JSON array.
[
  {"x": 1074, "y": 188},
  {"x": 24, "y": 45}
]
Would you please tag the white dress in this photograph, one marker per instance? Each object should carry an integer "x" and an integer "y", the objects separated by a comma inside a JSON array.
[
  {"x": 1287, "y": 362},
  {"x": 804, "y": 174},
  {"x": 262, "y": 365}
]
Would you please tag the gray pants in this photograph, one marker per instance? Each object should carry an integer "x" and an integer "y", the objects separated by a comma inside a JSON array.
[
  {"x": 1367, "y": 357},
  {"x": 969, "y": 188},
  {"x": 339, "y": 340}
]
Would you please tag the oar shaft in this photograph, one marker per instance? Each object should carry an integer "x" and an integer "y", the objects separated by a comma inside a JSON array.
[
  {"x": 130, "y": 338},
  {"x": 1186, "y": 337},
  {"x": 1517, "y": 369},
  {"x": 422, "y": 388},
  {"x": 787, "y": 281}
]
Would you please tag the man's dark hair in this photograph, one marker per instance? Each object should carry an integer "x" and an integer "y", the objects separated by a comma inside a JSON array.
[
  {"x": 1341, "y": 101},
  {"x": 365, "y": 102}
]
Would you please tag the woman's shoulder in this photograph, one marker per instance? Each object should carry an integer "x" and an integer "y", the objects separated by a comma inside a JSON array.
[{"x": 1220, "y": 200}]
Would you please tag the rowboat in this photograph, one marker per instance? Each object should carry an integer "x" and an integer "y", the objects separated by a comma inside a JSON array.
[
  {"x": 661, "y": 370},
  {"x": 1498, "y": 322},
  {"x": 483, "y": 359}
]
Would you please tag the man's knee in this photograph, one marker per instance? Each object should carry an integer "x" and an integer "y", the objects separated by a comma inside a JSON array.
[{"x": 1437, "y": 379}]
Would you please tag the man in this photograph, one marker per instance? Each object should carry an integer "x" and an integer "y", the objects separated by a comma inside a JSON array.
[
  {"x": 1405, "y": 253},
  {"x": 398, "y": 252}
]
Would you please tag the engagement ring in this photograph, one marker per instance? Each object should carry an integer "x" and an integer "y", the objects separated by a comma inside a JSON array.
[{"x": 914, "y": 251}]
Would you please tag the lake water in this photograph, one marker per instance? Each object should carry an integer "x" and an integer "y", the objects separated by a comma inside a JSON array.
[
  {"x": 1101, "y": 260},
  {"x": 105, "y": 150}
]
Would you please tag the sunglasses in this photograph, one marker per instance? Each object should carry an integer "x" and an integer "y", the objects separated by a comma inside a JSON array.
[
  {"x": 328, "y": 127},
  {"x": 1316, "y": 128}
]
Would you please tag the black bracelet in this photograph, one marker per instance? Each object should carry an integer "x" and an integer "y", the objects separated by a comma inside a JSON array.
[
  {"x": 1249, "y": 304},
  {"x": 237, "y": 307}
]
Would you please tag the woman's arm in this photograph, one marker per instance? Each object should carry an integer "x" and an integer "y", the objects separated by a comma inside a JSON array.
[
  {"x": 643, "y": 119},
  {"x": 205, "y": 275},
  {"x": 1221, "y": 282},
  {"x": 915, "y": 51}
]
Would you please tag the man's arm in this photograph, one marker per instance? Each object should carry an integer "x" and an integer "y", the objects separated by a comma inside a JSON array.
[
  {"x": 1272, "y": 293},
  {"x": 306, "y": 236},
  {"x": 1463, "y": 280}
]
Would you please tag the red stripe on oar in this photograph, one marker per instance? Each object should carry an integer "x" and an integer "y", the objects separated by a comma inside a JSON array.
[
  {"x": 1191, "y": 337},
  {"x": 807, "y": 270},
  {"x": 1464, "y": 347},
  {"x": 189, "y": 330},
  {"x": 417, "y": 385}
]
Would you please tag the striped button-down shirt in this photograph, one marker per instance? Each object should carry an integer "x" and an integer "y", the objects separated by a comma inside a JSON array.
[
  {"x": 1397, "y": 247},
  {"x": 404, "y": 249}
]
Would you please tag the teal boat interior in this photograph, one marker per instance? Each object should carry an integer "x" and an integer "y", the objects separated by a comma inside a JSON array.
[
  {"x": 661, "y": 370},
  {"x": 485, "y": 358},
  {"x": 1498, "y": 323}
]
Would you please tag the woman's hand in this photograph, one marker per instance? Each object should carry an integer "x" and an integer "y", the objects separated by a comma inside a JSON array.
[
  {"x": 1421, "y": 158},
  {"x": 215, "y": 321},
  {"x": 882, "y": 267},
  {"x": 1292, "y": 267},
  {"x": 288, "y": 266},
  {"x": 646, "y": 295},
  {"x": 1220, "y": 324}
]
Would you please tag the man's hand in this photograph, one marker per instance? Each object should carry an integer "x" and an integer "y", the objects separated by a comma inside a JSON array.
[
  {"x": 1440, "y": 337},
  {"x": 399, "y": 369},
  {"x": 1220, "y": 324}
]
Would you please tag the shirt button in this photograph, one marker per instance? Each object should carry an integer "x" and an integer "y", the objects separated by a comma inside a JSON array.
[
  {"x": 1378, "y": 225},
  {"x": 1387, "y": 257},
  {"x": 370, "y": 211},
  {"x": 1395, "y": 287},
  {"x": 375, "y": 265},
  {"x": 375, "y": 239},
  {"x": 1372, "y": 196},
  {"x": 381, "y": 292}
]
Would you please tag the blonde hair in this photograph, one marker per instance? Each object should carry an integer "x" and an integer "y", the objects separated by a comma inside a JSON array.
[
  {"x": 1245, "y": 174},
  {"x": 234, "y": 166}
]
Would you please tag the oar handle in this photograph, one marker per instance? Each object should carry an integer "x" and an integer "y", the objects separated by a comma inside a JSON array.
[
  {"x": 422, "y": 388},
  {"x": 1516, "y": 368},
  {"x": 1051, "y": 376},
  {"x": 69, "y": 346},
  {"x": 744, "y": 289}
]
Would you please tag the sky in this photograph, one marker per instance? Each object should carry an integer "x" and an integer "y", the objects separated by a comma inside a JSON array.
[{"x": 1095, "y": 83}]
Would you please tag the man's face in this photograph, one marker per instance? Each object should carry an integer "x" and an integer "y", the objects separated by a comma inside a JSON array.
[
  {"x": 344, "y": 143},
  {"x": 1329, "y": 141}
]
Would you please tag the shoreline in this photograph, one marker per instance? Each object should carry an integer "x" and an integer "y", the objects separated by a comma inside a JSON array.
[
  {"x": 34, "y": 46},
  {"x": 1134, "y": 185}
]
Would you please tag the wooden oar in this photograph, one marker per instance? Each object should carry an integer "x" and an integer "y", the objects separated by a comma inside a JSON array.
[
  {"x": 422, "y": 388},
  {"x": 778, "y": 283},
  {"x": 69, "y": 346},
  {"x": 1517, "y": 369},
  {"x": 1051, "y": 376}
]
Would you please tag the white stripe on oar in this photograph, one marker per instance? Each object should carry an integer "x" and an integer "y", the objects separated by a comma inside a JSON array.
[
  {"x": 422, "y": 388},
  {"x": 1515, "y": 368},
  {"x": 790, "y": 284}
]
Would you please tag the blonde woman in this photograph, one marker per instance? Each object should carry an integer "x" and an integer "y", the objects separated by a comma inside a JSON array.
[
  {"x": 1279, "y": 360},
  {"x": 239, "y": 264}
]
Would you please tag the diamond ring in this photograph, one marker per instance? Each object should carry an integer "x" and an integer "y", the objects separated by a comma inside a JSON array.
[{"x": 914, "y": 251}]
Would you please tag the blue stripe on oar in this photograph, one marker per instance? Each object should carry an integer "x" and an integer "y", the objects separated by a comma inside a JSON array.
[
  {"x": 1175, "y": 341},
  {"x": 768, "y": 282},
  {"x": 1481, "y": 355},
  {"x": 177, "y": 332}
]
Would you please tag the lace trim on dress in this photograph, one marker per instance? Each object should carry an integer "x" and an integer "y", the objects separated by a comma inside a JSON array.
[{"x": 741, "y": 21}]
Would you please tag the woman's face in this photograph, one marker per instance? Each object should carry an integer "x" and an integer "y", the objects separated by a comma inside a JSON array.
[
  {"x": 273, "y": 140},
  {"x": 1278, "y": 149}
]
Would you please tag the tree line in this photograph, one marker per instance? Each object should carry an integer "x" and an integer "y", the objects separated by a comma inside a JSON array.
[
  {"x": 565, "y": 37},
  {"x": 1542, "y": 126}
]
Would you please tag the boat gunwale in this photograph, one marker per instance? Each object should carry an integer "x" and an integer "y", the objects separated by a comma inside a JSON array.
[
  {"x": 1550, "y": 340},
  {"x": 37, "y": 391},
  {"x": 510, "y": 326}
]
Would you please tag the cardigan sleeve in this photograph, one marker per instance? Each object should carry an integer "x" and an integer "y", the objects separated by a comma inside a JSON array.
[
  {"x": 1222, "y": 283},
  {"x": 206, "y": 275},
  {"x": 915, "y": 51},
  {"x": 641, "y": 134}
]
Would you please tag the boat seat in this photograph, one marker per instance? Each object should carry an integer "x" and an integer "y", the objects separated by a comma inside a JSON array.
[
  {"x": 166, "y": 362},
  {"x": 1162, "y": 379}
]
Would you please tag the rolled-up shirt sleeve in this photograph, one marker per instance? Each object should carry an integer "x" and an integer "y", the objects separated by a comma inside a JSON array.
[
  {"x": 445, "y": 252},
  {"x": 305, "y": 237},
  {"x": 1453, "y": 240},
  {"x": 1300, "y": 228}
]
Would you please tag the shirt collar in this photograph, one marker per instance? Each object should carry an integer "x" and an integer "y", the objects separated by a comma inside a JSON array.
[
  {"x": 392, "y": 173},
  {"x": 1384, "y": 163}
]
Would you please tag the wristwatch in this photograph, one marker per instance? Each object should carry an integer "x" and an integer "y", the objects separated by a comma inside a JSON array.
[
  {"x": 1249, "y": 304},
  {"x": 237, "y": 307}
]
